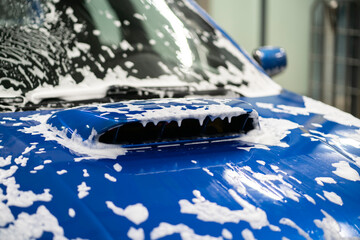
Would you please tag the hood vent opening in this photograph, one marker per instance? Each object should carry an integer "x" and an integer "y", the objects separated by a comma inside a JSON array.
[{"x": 134, "y": 133}]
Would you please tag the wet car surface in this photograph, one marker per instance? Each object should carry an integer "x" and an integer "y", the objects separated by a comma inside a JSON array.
[{"x": 158, "y": 126}]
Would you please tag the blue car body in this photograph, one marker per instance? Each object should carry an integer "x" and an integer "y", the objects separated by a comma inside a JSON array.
[{"x": 295, "y": 175}]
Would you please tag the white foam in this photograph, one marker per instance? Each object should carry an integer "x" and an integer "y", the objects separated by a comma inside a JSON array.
[
  {"x": 310, "y": 199},
  {"x": 85, "y": 173},
  {"x": 83, "y": 190},
  {"x": 330, "y": 226},
  {"x": 322, "y": 180},
  {"x": 208, "y": 171},
  {"x": 186, "y": 233},
  {"x": 283, "y": 109},
  {"x": 211, "y": 212},
  {"x": 40, "y": 167},
  {"x": 129, "y": 64},
  {"x": 344, "y": 170},
  {"x": 260, "y": 162},
  {"x": 22, "y": 161},
  {"x": 290, "y": 223},
  {"x": 247, "y": 234},
  {"x": 270, "y": 185},
  {"x": 316, "y": 125},
  {"x": 297, "y": 180},
  {"x": 256, "y": 146},
  {"x": 28, "y": 149},
  {"x": 33, "y": 226},
  {"x": 109, "y": 177},
  {"x": 321, "y": 197},
  {"x": 333, "y": 197},
  {"x": 271, "y": 133},
  {"x": 177, "y": 113},
  {"x": 5, "y": 214},
  {"x": 117, "y": 167},
  {"x": 5, "y": 161},
  {"x": 136, "y": 234},
  {"x": 71, "y": 212},
  {"x": 259, "y": 83},
  {"x": 61, "y": 172},
  {"x": 19, "y": 198},
  {"x": 226, "y": 234},
  {"x": 330, "y": 113},
  {"x": 136, "y": 213},
  {"x": 87, "y": 149}
]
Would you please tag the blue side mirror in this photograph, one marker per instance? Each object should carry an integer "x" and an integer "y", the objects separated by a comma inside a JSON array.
[{"x": 272, "y": 59}]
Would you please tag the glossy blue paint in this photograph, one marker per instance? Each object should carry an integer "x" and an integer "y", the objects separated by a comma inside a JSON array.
[
  {"x": 272, "y": 59},
  {"x": 159, "y": 178},
  {"x": 276, "y": 180}
]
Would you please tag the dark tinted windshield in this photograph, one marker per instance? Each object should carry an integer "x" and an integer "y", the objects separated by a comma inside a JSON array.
[{"x": 78, "y": 49}]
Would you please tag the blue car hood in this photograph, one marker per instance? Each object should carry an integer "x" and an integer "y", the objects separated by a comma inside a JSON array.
[{"x": 296, "y": 176}]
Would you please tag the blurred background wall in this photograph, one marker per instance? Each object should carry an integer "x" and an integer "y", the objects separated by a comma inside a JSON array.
[
  {"x": 321, "y": 37},
  {"x": 287, "y": 25}
]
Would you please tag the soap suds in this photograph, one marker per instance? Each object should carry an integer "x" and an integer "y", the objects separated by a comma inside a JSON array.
[
  {"x": 259, "y": 83},
  {"x": 33, "y": 226},
  {"x": 321, "y": 197},
  {"x": 135, "y": 213},
  {"x": 28, "y": 149},
  {"x": 226, "y": 234},
  {"x": 117, "y": 167},
  {"x": 5, "y": 215},
  {"x": 271, "y": 132},
  {"x": 247, "y": 234},
  {"x": 61, "y": 172},
  {"x": 316, "y": 125},
  {"x": 310, "y": 199},
  {"x": 330, "y": 113},
  {"x": 184, "y": 109},
  {"x": 290, "y": 223},
  {"x": 211, "y": 212},
  {"x": 83, "y": 190},
  {"x": 85, "y": 173},
  {"x": 260, "y": 162},
  {"x": 283, "y": 109},
  {"x": 208, "y": 171},
  {"x": 5, "y": 161},
  {"x": 333, "y": 197},
  {"x": 186, "y": 233},
  {"x": 270, "y": 185},
  {"x": 109, "y": 177},
  {"x": 136, "y": 234},
  {"x": 40, "y": 167},
  {"x": 71, "y": 212},
  {"x": 86, "y": 149},
  {"x": 322, "y": 180},
  {"x": 19, "y": 198},
  {"x": 330, "y": 227},
  {"x": 344, "y": 170},
  {"x": 22, "y": 161}
]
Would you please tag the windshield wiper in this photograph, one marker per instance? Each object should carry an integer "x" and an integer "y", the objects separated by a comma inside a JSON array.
[
  {"x": 114, "y": 93},
  {"x": 128, "y": 93},
  {"x": 11, "y": 100}
]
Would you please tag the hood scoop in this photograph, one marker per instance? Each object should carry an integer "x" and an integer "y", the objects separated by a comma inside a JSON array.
[{"x": 156, "y": 121}]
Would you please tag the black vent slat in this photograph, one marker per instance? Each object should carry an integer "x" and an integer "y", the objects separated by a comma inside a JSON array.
[{"x": 136, "y": 133}]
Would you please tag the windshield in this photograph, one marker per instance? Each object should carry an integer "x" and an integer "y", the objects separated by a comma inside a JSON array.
[{"x": 76, "y": 50}]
